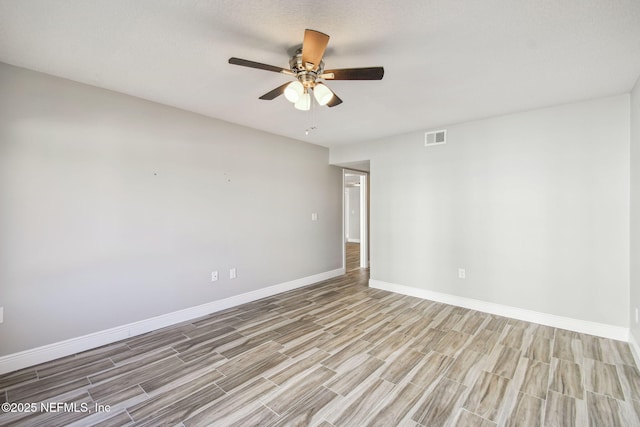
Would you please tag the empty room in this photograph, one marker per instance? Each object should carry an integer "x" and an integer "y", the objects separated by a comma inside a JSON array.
[{"x": 356, "y": 213}]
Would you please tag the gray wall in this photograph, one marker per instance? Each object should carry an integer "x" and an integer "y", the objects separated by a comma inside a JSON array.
[
  {"x": 114, "y": 209},
  {"x": 635, "y": 209},
  {"x": 535, "y": 207}
]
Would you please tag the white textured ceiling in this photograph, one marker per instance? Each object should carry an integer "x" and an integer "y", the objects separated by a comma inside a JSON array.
[{"x": 445, "y": 61}]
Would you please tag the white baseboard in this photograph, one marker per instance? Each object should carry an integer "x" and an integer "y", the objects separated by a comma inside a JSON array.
[
  {"x": 353, "y": 240},
  {"x": 583, "y": 326},
  {"x": 46, "y": 353},
  {"x": 635, "y": 348}
]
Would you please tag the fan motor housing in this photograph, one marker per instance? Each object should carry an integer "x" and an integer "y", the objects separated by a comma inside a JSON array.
[{"x": 305, "y": 76}]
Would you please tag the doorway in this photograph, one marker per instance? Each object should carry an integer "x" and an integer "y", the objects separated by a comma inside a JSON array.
[{"x": 355, "y": 224}]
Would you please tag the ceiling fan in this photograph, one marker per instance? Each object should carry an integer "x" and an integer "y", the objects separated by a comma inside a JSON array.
[{"x": 307, "y": 66}]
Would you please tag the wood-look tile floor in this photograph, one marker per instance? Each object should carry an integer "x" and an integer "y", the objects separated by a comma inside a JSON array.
[
  {"x": 352, "y": 251},
  {"x": 340, "y": 354}
]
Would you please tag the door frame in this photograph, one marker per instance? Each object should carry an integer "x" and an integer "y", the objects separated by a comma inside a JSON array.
[{"x": 364, "y": 215}]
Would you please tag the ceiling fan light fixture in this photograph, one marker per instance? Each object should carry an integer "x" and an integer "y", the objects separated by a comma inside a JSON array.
[
  {"x": 304, "y": 102},
  {"x": 294, "y": 91},
  {"x": 306, "y": 66},
  {"x": 322, "y": 94}
]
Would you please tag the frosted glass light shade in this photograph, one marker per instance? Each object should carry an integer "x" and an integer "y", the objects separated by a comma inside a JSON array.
[
  {"x": 322, "y": 94},
  {"x": 304, "y": 102},
  {"x": 293, "y": 91}
]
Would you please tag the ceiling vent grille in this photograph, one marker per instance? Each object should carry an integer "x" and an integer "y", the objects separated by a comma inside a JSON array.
[{"x": 437, "y": 137}]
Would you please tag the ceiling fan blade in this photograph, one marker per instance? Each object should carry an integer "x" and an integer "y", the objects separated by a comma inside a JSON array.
[
  {"x": 258, "y": 65},
  {"x": 275, "y": 93},
  {"x": 369, "y": 73},
  {"x": 334, "y": 101},
  {"x": 313, "y": 48}
]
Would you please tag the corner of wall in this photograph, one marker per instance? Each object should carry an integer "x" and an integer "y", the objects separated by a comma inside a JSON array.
[{"x": 634, "y": 218}]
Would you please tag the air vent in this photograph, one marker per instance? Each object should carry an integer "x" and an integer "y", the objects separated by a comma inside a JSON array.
[{"x": 437, "y": 137}]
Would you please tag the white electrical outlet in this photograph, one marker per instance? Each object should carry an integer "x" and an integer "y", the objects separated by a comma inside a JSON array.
[
  {"x": 462, "y": 273},
  {"x": 314, "y": 216},
  {"x": 2, "y": 314},
  {"x": 232, "y": 273},
  {"x": 214, "y": 276}
]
